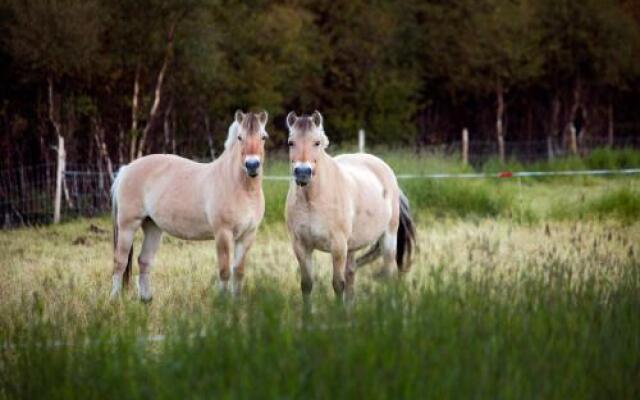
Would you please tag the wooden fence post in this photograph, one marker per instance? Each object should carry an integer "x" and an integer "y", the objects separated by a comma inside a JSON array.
[
  {"x": 361, "y": 140},
  {"x": 573, "y": 140},
  {"x": 57, "y": 202},
  {"x": 465, "y": 146}
]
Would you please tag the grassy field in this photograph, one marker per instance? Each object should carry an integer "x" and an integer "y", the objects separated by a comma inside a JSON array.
[{"x": 520, "y": 289}]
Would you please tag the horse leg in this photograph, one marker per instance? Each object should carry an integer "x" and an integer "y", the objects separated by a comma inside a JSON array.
[
  {"x": 126, "y": 233},
  {"x": 240, "y": 249},
  {"x": 224, "y": 245},
  {"x": 305, "y": 261},
  {"x": 350, "y": 276},
  {"x": 152, "y": 236},
  {"x": 339, "y": 257},
  {"x": 389, "y": 246}
]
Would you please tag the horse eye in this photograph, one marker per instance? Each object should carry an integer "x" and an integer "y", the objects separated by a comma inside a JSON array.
[
  {"x": 290, "y": 143},
  {"x": 317, "y": 144},
  {"x": 240, "y": 138},
  {"x": 264, "y": 138}
]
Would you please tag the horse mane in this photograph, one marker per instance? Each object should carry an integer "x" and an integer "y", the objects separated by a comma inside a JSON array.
[
  {"x": 304, "y": 124},
  {"x": 250, "y": 123},
  {"x": 232, "y": 136}
]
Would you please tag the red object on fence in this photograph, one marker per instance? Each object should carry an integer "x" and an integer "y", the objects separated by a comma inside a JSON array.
[{"x": 505, "y": 174}]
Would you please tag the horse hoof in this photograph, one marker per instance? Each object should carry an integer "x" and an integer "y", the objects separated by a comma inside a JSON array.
[{"x": 146, "y": 300}]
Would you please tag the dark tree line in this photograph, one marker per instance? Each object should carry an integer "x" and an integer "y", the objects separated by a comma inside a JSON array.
[{"x": 121, "y": 78}]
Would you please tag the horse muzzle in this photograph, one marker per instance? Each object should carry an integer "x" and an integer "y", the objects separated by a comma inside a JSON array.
[
  {"x": 302, "y": 174},
  {"x": 252, "y": 165}
]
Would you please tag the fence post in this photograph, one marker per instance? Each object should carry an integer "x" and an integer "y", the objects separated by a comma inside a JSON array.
[
  {"x": 465, "y": 146},
  {"x": 361, "y": 140},
  {"x": 573, "y": 140},
  {"x": 57, "y": 202}
]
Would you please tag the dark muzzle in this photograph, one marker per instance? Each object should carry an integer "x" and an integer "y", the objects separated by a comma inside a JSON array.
[
  {"x": 252, "y": 167},
  {"x": 302, "y": 175}
]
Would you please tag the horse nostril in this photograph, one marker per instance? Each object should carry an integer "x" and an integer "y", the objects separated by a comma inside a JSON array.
[
  {"x": 252, "y": 164},
  {"x": 302, "y": 171}
]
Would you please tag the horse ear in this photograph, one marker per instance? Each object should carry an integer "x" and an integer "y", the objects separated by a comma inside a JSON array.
[
  {"x": 239, "y": 116},
  {"x": 316, "y": 117},
  {"x": 263, "y": 116},
  {"x": 291, "y": 119}
]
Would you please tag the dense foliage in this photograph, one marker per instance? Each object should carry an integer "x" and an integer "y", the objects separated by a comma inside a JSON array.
[{"x": 151, "y": 76}]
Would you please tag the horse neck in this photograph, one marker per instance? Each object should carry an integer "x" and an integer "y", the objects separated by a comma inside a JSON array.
[
  {"x": 228, "y": 167},
  {"x": 322, "y": 183}
]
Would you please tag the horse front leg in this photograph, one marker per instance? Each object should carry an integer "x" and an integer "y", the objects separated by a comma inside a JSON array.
[
  {"x": 224, "y": 247},
  {"x": 339, "y": 257},
  {"x": 240, "y": 250},
  {"x": 305, "y": 261}
]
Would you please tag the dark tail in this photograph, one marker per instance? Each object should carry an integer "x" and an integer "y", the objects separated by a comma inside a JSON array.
[
  {"x": 127, "y": 271},
  {"x": 406, "y": 239}
]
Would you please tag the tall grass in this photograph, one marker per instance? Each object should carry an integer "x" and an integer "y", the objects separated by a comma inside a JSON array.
[{"x": 532, "y": 335}]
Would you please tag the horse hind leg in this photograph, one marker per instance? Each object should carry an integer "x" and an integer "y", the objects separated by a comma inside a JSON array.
[
  {"x": 240, "y": 249},
  {"x": 150, "y": 244},
  {"x": 122, "y": 256},
  {"x": 389, "y": 248},
  {"x": 350, "y": 277}
]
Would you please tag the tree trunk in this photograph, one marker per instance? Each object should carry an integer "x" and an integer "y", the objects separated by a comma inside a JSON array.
[
  {"x": 610, "y": 125},
  {"x": 207, "y": 128},
  {"x": 499, "y": 121},
  {"x": 465, "y": 146},
  {"x": 52, "y": 112},
  {"x": 167, "y": 127},
  {"x": 153, "y": 113},
  {"x": 57, "y": 201},
  {"x": 134, "y": 112},
  {"x": 103, "y": 153},
  {"x": 121, "y": 145},
  {"x": 570, "y": 129},
  {"x": 553, "y": 126}
]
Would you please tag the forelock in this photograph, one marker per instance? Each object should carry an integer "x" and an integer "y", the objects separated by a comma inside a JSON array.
[{"x": 251, "y": 123}]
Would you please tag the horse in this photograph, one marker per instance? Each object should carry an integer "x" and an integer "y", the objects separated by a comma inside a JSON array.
[
  {"x": 221, "y": 200},
  {"x": 342, "y": 204}
]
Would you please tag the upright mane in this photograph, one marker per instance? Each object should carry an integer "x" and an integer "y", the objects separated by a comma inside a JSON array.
[
  {"x": 250, "y": 123},
  {"x": 232, "y": 136}
]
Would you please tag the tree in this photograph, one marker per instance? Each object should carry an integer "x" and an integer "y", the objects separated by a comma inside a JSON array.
[{"x": 56, "y": 40}]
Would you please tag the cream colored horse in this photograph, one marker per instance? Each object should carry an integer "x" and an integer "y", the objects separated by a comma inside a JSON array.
[
  {"x": 342, "y": 204},
  {"x": 166, "y": 193}
]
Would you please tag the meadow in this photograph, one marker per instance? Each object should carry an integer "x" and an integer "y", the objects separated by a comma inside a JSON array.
[{"x": 520, "y": 289}]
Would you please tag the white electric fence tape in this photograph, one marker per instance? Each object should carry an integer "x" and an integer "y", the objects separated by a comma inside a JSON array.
[{"x": 504, "y": 174}]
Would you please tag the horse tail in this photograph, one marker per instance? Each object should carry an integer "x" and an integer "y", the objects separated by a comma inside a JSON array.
[
  {"x": 114, "y": 215},
  {"x": 406, "y": 238},
  {"x": 374, "y": 252}
]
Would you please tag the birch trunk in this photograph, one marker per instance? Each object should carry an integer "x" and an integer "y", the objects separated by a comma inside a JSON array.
[
  {"x": 153, "y": 113},
  {"x": 499, "y": 121},
  {"x": 610, "y": 124},
  {"x": 135, "y": 101},
  {"x": 570, "y": 129}
]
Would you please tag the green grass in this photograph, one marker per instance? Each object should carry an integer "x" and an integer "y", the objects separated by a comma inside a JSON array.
[
  {"x": 459, "y": 338},
  {"x": 519, "y": 289}
]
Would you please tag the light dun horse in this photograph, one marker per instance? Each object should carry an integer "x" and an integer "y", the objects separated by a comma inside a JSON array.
[
  {"x": 343, "y": 204},
  {"x": 166, "y": 193}
]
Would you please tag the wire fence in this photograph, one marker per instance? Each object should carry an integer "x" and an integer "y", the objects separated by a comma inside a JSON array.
[{"x": 27, "y": 193}]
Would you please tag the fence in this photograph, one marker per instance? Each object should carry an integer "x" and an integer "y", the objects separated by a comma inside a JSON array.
[{"x": 27, "y": 194}]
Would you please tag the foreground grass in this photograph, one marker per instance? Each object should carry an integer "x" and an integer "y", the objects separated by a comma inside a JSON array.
[{"x": 492, "y": 308}]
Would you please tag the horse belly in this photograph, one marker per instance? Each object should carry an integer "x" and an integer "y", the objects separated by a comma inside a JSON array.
[
  {"x": 370, "y": 221},
  {"x": 185, "y": 227}
]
